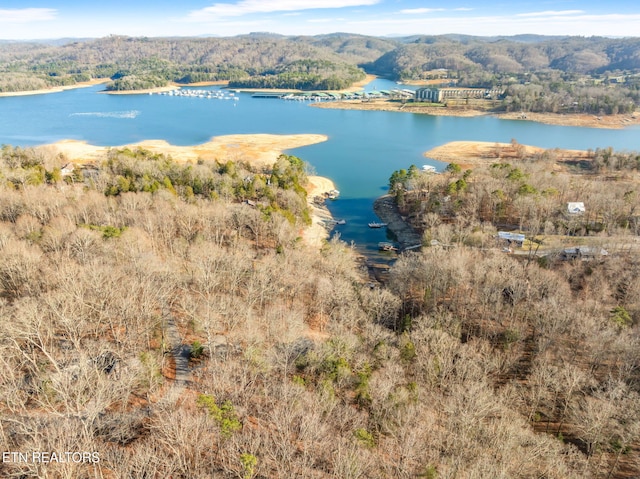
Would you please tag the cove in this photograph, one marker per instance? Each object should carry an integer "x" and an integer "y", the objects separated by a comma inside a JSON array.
[{"x": 363, "y": 149}]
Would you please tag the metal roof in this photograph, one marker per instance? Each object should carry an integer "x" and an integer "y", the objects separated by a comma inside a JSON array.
[{"x": 506, "y": 235}]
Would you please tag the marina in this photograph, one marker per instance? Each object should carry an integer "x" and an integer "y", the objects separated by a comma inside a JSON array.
[
  {"x": 207, "y": 94},
  {"x": 363, "y": 149},
  {"x": 395, "y": 93}
]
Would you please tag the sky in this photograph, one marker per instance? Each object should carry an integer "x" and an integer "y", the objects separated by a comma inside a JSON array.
[{"x": 48, "y": 19}]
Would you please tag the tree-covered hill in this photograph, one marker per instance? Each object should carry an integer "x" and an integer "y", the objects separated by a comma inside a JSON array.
[
  {"x": 336, "y": 60},
  {"x": 509, "y": 55},
  {"x": 157, "y": 61}
]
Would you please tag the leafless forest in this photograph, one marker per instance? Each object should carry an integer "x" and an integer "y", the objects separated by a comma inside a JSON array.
[
  {"x": 185, "y": 334},
  {"x": 537, "y": 73}
]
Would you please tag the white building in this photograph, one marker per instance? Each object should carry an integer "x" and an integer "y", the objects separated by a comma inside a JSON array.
[
  {"x": 439, "y": 95},
  {"x": 576, "y": 208}
]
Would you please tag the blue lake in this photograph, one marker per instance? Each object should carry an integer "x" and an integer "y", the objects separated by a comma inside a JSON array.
[{"x": 363, "y": 149}]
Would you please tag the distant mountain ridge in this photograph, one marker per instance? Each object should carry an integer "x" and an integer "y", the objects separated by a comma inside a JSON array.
[{"x": 154, "y": 61}]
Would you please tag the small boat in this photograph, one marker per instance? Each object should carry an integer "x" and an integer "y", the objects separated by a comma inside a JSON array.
[
  {"x": 341, "y": 222},
  {"x": 333, "y": 194},
  {"x": 429, "y": 169},
  {"x": 375, "y": 224},
  {"x": 384, "y": 246}
]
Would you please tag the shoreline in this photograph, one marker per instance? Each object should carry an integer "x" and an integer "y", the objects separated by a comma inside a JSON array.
[
  {"x": 358, "y": 86},
  {"x": 256, "y": 149},
  {"x": 146, "y": 91},
  {"x": 319, "y": 231},
  {"x": 386, "y": 209},
  {"x": 57, "y": 89},
  {"x": 170, "y": 87},
  {"x": 176, "y": 86},
  {"x": 559, "y": 119},
  {"x": 469, "y": 154}
]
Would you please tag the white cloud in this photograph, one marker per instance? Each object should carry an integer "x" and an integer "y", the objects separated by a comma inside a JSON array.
[
  {"x": 245, "y": 7},
  {"x": 325, "y": 20},
  {"x": 418, "y": 11},
  {"x": 550, "y": 13},
  {"x": 586, "y": 25},
  {"x": 26, "y": 15}
]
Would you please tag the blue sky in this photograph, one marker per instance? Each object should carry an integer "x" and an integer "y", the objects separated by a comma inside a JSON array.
[{"x": 33, "y": 19}]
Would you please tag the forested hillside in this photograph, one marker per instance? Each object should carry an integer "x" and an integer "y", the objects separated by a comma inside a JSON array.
[
  {"x": 595, "y": 55},
  {"x": 144, "y": 62},
  {"x": 151, "y": 316},
  {"x": 323, "y": 62}
]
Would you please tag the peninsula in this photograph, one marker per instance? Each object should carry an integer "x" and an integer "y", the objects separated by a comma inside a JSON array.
[{"x": 259, "y": 150}]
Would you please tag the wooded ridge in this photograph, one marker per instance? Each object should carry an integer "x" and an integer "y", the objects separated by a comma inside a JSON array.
[{"x": 325, "y": 61}]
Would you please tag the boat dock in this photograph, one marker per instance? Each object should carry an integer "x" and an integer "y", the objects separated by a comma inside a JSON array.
[{"x": 267, "y": 95}]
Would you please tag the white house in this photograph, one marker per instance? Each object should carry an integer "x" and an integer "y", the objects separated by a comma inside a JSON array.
[{"x": 575, "y": 208}]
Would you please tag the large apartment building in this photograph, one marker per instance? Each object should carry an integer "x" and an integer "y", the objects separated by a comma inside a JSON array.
[{"x": 440, "y": 95}]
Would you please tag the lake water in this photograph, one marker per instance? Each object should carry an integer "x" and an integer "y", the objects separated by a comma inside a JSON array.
[{"x": 364, "y": 147}]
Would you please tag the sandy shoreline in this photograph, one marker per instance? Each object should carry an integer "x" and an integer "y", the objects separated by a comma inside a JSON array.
[
  {"x": 170, "y": 87},
  {"x": 176, "y": 86},
  {"x": 358, "y": 86},
  {"x": 577, "y": 119},
  {"x": 469, "y": 154},
  {"x": 318, "y": 232},
  {"x": 259, "y": 149},
  {"x": 44, "y": 91},
  {"x": 581, "y": 120},
  {"x": 159, "y": 89}
]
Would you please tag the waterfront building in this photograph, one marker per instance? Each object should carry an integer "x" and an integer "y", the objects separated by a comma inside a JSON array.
[{"x": 440, "y": 95}]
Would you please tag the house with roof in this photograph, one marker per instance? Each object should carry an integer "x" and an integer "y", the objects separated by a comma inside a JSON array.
[
  {"x": 584, "y": 253},
  {"x": 511, "y": 238},
  {"x": 576, "y": 208}
]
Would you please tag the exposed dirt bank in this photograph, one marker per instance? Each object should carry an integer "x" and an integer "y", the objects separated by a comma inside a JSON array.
[
  {"x": 258, "y": 149},
  {"x": 146, "y": 91},
  {"x": 321, "y": 218},
  {"x": 583, "y": 120},
  {"x": 473, "y": 153},
  {"x": 43, "y": 91},
  {"x": 355, "y": 87}
]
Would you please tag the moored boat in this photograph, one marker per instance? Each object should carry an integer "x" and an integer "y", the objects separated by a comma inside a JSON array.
[
  {"x": 333, "y": 194},
  {"x": 385, "y": 246}
]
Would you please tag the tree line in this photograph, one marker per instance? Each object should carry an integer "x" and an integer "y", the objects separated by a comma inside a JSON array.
[{"x": 540, "y": 74}]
